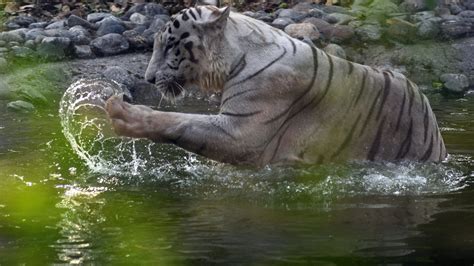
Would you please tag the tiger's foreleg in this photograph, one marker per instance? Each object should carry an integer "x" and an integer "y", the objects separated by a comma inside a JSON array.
[{"x": 210, "y": 135}]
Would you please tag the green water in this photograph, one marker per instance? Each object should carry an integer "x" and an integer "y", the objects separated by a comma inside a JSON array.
[{"x": 182, "y": 209}]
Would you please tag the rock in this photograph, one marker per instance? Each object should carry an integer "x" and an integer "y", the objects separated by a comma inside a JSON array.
[
  {"x": 335, "y": 50},
  {"x": 413, "y": 5},
  {"x": 21, "y": 106},
  {"x": 442, "y": 12},
  {"x": 80, "y": 36},
  {"x": 281, "y": 23},
  {"x": 468, "y": 16},
  {"x": 304, "y": 7},
  {"x": 110, "y": 44},
  {"x": 110, "y": 27},
  {"x": 455, "y": 9},
  {"x": 59, "y": 33},
  {"x": 291, "y": 14},
  {"x": 422, "y": 16},
  {"x": 369, "y": 32},
  {"x": 38, "y": 25},
  {"x": 323, "y": 27},
  {"x": 157, "y": 24},
  {"x": 465, "y": 57},
  {"x": 56, "y": 25},
  {"x": 22, "y": 20},
  {"x": 265, "y": 17},
  {"x": 335, "y": 9},
  {"x": 147, "y": 9},
  {"x": 454, "y": 27},
  {"x": 83, "y": 51},
  {"x": 378, "y": 10},
  {"x": 109, "y": 19},
  {"x": 329, "y": 19},
  {"x": 3, "y": 43},
  {"x": 3, "y": 65},
  {"x": 428, "y": 29},
  {"x": 139, "y": 19},
  {"x": 6, "y": 91},
  {"x": 13, "y": 35},
  {"x": 30, "y": 44},
  {"x": 120, "y": 76},
  {"x": 303, "y": 30},
  {"x": 12, "y": 44},
  {"x": 32, "y": 95},
  {"x": 12, "y": 26},
  {"x": 401, "y": 30},
  {"x": 96, "y": 17},
  {"x": 136, "y": 40},
  {"x": 74, "y": 20},
  {"x": 457, "y": 83},
  {"x": 316, "y": 13},
  {"x": 34, "y": 33},
  {"x": 341, "y": 19},
  {"x": 22, "y": 52},
  {"x": 341, "y": 34},
  {"x": 54, "y": 47}
]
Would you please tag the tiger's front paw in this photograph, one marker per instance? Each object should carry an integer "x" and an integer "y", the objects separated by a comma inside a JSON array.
[{"x": 127, "y": 120}]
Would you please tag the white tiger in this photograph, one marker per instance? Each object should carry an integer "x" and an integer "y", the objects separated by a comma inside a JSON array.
[{"x": 283, "y": 101}]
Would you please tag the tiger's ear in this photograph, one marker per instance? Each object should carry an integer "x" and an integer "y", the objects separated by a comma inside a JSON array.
[{"x": 217, "y": 19}]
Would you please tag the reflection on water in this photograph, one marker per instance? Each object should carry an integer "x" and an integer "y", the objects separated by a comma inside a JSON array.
[{"x": 138, "y": 202}]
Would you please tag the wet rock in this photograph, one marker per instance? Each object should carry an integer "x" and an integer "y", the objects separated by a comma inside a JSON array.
[
  {"x": 30, "y": 44},
  {"x": 147, "y": 9},
  {"x": 136, "y": 40},
  {"x": 369, "y": 32},
  {"x": 428, "y": 29},
  {"x": 3, "y": 65},
  {"x": 34, "y": 33},
  {"x": 22, "y": 20},
  {"x": 54, "y": 47},
  {"x": 291, "y": 14},
  {"x": 401, "y": 30},
  {"x": 335, "y": 50},
  {"x": 120, "y": 76},
  {"x": 38, "y": 25},
  {"x": 80, "y": 36},
  {"x": 281, "y": 23},
  {"x": 32, "y": 95},
  {"x": 323, "y": 27},
  {"x": 303, "y": 30},
  {"x": 56, "y": 25},
  {"x": 413, "y": 5},
  {"x": 139, "y": 19},
  {"x": 110, "y": 26},
  {"x": 110, "y": 44},
  {"x": 74, "y": 20},
  {"x": 21, "y": 52},
  {"x": 96, "y": 17},
  {"x": 456, "y": 83},
  {"x": 455, "y": 27},
  {"x": 83, "y": 51},
  {"x": 341, "y": 19},
  {"x": 422, "y": 16},
  {"x": 13, "y": 35},
  {"x": 341, "y": 34},
  {"x": 21, "y": 107}
]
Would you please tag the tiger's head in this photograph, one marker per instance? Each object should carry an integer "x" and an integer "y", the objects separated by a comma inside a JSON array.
[{"x": 186, "y": 51}]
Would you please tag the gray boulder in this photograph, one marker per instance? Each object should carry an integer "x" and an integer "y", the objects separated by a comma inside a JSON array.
[
  {"x": 139, "y": 19},
  {"x": 80, "y": 36},
  {"x": 34, "y": 33},
  {"x": 457, "y": 83},
  {"x": 341, "y": 34},
  {"x": 83, "y": 51},
  {"x": 22, "y": 20},
  {"x": 292, "y": 14},
  {"x": 13, "y": 35},
  {"x": 74, "y": 20},
  {"x": 455, "y": 27},
  {"x": 54, "y": 47},
  {"x": 340, "y": 18},
  {"x": 96, "y": 17},
  {"x": 57, "y": 25},
  {"x": 335, "y": 50},
  {"x": 369, "y": 32},
  {"x": 422, "y": 16},
  {"x": 281, "y": 23},
  {"x": 38, "y": 25},
  {"x": 136, "y": 40},
  {"x": 428, "y": 29},
  {"x": 120, "y": 76},
  {"x": 110, "y": 26},
  {"x": 401, "y": 30},
  {"x": 110, "y": 44},
  {"x": 323, "y": 27},
  {"x": 302, "y": 31}
]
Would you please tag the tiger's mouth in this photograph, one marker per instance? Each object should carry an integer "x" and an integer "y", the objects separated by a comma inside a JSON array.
[{"x": 171, "y": 88}]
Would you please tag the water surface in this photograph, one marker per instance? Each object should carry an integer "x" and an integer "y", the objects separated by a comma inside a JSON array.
[{"x": 169, "y": 206}]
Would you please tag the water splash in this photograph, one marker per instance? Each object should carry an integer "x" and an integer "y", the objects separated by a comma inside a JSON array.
[{"x": 87, "y": 128}]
